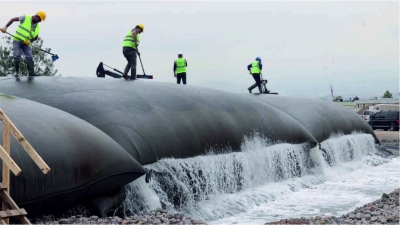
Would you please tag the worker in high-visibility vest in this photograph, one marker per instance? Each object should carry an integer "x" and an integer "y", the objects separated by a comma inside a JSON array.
[
  {"x": 130, "y": 49},
  {"x": 255, "y": 69},
  {"x": 180, "y": 69},
  {"x": 27, "y": 32}
]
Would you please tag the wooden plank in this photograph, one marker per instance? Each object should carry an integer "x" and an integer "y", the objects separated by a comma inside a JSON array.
[
  {"x": 6, "y": 136},
  {"x": 19, "y": 214},
  {"x": 5, "y": 150},
  {"x": 13, "y": 213},
  {"x": 25, "y": 144},
  {"x": 5, "y": 197},
  {"x": 9, "y": 164},
  {"x": 23, "y": 220},
  {"x": 2, "y": 187},
  {"x": 29, "y": 149},
  {"x": 8, "y": 200}
]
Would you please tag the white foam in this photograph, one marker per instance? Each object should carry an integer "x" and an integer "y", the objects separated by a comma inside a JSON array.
[
  {"x": 351, "y": 186},
  {"x": 266, "y": 182}
]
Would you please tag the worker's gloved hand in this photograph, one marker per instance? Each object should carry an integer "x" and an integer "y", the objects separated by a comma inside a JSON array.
[
  {"x": 174, "y": 74},
  {"x": 27, "y": 42},
  {"x": 3, "y": 29}
]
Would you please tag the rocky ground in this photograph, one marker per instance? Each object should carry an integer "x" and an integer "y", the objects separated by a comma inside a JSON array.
[
  {"x": 383, "y": 211},
  {"x": 392, "y": 142},
  {"x": 159, "y": 216},
  {"x": 386, "y": 210}
]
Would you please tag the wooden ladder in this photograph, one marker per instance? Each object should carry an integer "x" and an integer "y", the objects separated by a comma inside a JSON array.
[
  {"x": 15, "y": 211},
  {"x": 9, "y": 207}
]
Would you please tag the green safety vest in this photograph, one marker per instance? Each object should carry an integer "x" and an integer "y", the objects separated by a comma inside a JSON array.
[
  {"x": 128, "y": 40},
  {"x": 24, "y": 31},
  {"x": 255, "y": 67},
  {"x": 180, "y": 65}
]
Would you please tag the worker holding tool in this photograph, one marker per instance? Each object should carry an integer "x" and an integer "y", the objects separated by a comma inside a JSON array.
[
  {"x": 180, "y": 69},
  {"x": 130, "y": 49},
  {"x": 255, "y": 69},
  {"x": 27, "y": 32}
]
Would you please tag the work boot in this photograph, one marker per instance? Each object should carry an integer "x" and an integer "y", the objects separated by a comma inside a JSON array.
[
  {"x": 31, "y": 68},
  {"x": 252, "y": 87},
  {"x": 249, "y": 90},
  {"x": 125, "y": 76},
  {"x": 16, "y": 64}
]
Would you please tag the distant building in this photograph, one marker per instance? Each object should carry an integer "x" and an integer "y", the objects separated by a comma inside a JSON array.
[
  {"x": 385, "y": 107},
  {"x": 364, "y": 103},
  {"x": 359, "y": 106},
  {"x": 375, "y": 104}
]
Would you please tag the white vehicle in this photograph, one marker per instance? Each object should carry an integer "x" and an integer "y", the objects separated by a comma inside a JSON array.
[{"x": 367, "y": 114}]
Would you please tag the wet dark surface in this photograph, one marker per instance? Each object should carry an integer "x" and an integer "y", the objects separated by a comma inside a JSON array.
[
  {"x": 146, "y": 121},
  {"x": 84, "y": 161},
  {"x": 153, "y": 120},
  {"x": 320, "y": 117}
]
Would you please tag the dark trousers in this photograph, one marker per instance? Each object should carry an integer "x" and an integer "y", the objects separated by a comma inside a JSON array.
[
  {"x": 180, "y": 76},
  {"x": 130, "y": 55},
  {"x": 257, "y": 78},
  {"x": 27, "y": 50}
]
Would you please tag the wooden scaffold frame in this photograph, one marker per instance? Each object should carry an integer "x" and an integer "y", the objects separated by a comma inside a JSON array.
[{"x": 9, "y": 207}]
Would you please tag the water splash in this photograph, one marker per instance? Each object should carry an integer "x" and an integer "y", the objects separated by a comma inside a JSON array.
[{"x": 220, "y": 185}]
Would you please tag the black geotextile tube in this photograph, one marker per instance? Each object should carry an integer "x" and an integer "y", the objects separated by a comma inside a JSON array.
[
  {"x": 153, "y": 120},
  {"x": 320, "y": 117},
  {"x": 84, "y": 161}
]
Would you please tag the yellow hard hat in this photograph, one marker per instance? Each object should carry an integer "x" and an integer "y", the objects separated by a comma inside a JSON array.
[
  {"x": 42, "y": 15},
  {"x": 141, "y": 26}
]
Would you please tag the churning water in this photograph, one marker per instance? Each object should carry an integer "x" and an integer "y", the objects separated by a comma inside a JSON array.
[{"x": 268, "y": 182}]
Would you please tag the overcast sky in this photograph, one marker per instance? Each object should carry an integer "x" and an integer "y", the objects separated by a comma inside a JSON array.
[{"x": 305, "y": 46}]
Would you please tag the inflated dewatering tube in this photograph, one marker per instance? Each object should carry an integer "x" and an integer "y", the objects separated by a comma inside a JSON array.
[
  {"x": 84, "y": 161},
  {"x": 320, "y": 117},
  {"x": 154, "y": 120}
]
